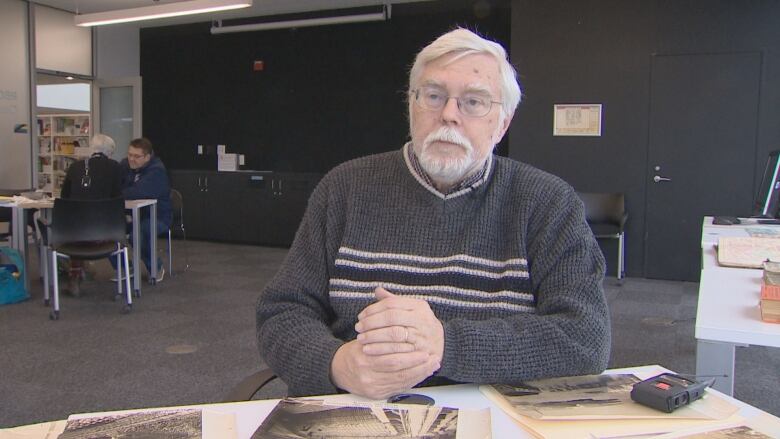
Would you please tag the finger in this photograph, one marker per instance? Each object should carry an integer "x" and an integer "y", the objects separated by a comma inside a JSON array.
[
  {"x": 391, "y": 334},
  {"x": 388, "y": 318},
  {"x": 397, "y": 362},
  {"x": 387, "y": 348},
  {"x": 387, "y": 301}
]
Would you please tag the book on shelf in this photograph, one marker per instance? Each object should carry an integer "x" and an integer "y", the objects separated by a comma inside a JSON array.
[
  {"x": 598, "y": 406},
  {"x": 770, "y": 303},
  {"x": 747, "y": 252},
  {"x": 294, "y": 417}
]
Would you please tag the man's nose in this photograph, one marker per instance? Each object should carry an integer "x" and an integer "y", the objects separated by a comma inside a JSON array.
[{"x": 450, "y": 113}]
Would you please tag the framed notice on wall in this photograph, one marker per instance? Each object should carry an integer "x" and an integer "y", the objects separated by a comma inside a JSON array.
[{"x": 577, "y": 120}]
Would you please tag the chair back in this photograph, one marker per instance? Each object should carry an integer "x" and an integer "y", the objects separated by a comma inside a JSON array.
[
  {"x": 177, "y": 205},
  {"x": 604, "y": 208},
  {"x": 87, "y": 221}
]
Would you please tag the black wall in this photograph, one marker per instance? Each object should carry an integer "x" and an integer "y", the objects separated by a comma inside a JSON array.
[
  {"x": 599, "y": 51},
  {"x": 326, "y": 94}
]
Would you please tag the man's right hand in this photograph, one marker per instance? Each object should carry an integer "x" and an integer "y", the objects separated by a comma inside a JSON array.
[{"x": 379, "y": 376}]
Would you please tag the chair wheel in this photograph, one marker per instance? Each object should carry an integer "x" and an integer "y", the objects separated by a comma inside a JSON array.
[
  {"x": 46, "y": 302},
  {"x": 136, "y": 293},
  {"x": 126, "y": 309},
  {"x": 54, "y": 315},
  {"x": 153, "y": 281}
]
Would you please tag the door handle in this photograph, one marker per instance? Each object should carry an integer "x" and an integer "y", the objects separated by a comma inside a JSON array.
[{"x": 659, "y": 179}]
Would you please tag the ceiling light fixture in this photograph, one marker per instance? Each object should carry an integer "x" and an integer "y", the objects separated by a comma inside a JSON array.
[
  {"x": 159, "y": 11},
  {"x": 218, "y": 28}
]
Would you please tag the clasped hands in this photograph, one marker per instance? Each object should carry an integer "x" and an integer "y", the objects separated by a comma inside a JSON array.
[{"x": 400, "y": 342}]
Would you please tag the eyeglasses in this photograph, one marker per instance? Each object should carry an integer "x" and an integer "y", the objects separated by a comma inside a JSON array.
[
  {"x": 135, "y": 156},
  {"x": 473, "y": 104}
]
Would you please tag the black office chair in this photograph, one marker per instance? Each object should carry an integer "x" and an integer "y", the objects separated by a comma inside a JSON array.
[
  {"x": 177, "y": 204},
  {"x": 249, "y": 386},
  {"x": 606, "y": 215},
  {"x": 88, "y": 229}
]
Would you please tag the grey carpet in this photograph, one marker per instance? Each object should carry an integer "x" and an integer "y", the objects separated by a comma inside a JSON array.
[{"x": 191, "y": 338}]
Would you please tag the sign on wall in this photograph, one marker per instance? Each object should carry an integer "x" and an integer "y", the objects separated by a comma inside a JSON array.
[{"x": 577, "y": 120}]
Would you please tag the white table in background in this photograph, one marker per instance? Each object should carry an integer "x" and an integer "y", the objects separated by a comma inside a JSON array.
[
  {"x": 19, "y": 233},
  {"x": 728, "y": 313}
]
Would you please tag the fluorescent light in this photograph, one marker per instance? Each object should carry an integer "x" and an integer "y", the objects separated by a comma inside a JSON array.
[
  {"x": 159, "y": 11},
  {"x": 322, "y": 21}
]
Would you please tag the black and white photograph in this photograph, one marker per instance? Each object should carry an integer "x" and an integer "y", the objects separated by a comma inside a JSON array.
[
  {"x": 162, "y": 424},
  {"x": 299, "y": 418}
]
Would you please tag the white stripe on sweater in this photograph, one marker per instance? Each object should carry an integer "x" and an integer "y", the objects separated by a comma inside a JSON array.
[
  {"x": 394, "y": 287},
  {"x": 419, "y": 270},
  {"x": 434, "y": 260},
  {"x": 440, "y": 300}
]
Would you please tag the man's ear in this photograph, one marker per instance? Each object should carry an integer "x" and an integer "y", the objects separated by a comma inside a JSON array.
[{"x": 501, "y": 129}]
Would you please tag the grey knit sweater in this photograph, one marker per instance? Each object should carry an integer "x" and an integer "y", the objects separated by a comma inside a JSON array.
[{"x": 508, "y": 265}]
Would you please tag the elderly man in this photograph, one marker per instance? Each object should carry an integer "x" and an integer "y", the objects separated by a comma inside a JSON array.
[
  {"x": 145, "y": 177},
  {"x": 94, "y": 178},
  {"x": 440, "y": 262}
]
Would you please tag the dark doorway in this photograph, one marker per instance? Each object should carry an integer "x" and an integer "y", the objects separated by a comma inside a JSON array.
[{"x": 703, "y": 119}]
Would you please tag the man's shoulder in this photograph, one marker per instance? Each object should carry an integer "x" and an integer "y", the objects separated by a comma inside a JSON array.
[
  {"x": 525, "y": 177},
  {"x": 371, "y": 166}
]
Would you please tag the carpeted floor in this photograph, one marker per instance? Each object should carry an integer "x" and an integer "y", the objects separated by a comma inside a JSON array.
[{"x": 191, "y": 338}]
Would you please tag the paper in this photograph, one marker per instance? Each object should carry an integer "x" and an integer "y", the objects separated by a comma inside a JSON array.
[
  {"x": 304, "y": 418},
  {"x": 227, "y": 162},
  {"x": 598, "y": 406},
  {"x": 747, "y": 252}
]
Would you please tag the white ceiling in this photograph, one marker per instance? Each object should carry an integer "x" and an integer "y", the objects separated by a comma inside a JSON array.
[{"x": 258, "y": 8}]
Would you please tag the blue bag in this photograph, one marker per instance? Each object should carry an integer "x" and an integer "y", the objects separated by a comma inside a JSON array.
[{"x": 11, "y": 277}]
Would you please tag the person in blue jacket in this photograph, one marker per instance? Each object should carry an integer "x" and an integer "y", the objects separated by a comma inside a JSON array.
[{"x": 145, "y": 177}]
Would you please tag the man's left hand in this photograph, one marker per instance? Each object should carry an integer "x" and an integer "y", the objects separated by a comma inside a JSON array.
[{"x": 399, "y": 324}]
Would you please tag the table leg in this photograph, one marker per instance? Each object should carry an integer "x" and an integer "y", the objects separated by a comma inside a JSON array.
[
  {"x": 136, "y": 251},
  {"x": 716, "y": 359},
  {"x": 153, "y": 241}
]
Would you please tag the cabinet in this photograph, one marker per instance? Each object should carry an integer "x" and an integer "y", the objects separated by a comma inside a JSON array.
[
  {"x": 254, "y": 207},
  {"x": 62, "y": 140}
]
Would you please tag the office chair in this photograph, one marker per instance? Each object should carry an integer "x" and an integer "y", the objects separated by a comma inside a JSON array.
[
  {"x": 88, "y": 229},
  {"x": 606, "y": 215},
  {"x": 246, "y": 389},
  {"x": 177, "y": 204}
]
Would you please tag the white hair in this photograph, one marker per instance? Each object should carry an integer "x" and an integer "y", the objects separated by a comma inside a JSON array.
[
  {"x": 464, "y": 42},
  {"x": 102, "y": 144}
]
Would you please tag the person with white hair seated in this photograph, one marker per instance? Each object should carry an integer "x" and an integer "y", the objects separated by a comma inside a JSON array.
[
  {"x": 439, "y": 262},
  {"x": 95, "y": 178}
]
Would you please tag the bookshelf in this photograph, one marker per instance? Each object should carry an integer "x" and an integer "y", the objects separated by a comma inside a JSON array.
[{"x": 62, "y": 140}]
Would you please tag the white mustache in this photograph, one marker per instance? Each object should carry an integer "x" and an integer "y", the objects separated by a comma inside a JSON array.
[{"x": 449, "y": 135}]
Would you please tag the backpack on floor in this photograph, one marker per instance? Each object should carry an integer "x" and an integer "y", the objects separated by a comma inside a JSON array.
[{"x": 11, "y": 277}]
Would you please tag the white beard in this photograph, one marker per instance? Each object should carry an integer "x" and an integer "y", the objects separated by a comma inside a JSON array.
[{"x": 442, "y": 168}]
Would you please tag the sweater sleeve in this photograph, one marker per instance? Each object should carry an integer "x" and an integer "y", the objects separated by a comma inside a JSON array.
[
  {"x": 293, "y": 311},
  {"x": 569, "y": 332}
]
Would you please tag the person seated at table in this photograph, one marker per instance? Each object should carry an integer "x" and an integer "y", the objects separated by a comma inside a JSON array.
[
  {"x": 94, "y": 178},
  {"x": 439, "y": 263},
  {"x": 145, "y": 177}
]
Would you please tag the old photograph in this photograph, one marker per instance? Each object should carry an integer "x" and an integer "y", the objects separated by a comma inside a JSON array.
[
  {"x": 178, "y": 424},
  {"x": 299, "y": 418}
]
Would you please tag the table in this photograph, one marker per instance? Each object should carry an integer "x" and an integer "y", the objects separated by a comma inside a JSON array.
[
  {"x": 728, "y": 314},
  {"x": 19, "y": 233},
  {"x": 250, "y": 414}
]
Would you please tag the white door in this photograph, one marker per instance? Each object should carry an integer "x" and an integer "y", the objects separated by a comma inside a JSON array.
[{"x": 117, "y": 111}]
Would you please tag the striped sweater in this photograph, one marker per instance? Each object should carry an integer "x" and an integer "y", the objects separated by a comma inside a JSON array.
[{"x": 508, "y": 265}]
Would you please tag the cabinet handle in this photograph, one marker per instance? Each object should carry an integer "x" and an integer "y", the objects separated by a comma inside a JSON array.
[
  {"x": 280, "y": 187},
  {"x": 199, "y": 185},
  {"x": 206, "y": 179}
]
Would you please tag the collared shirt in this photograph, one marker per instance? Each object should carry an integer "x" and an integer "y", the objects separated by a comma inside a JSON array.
[{"x": 468, "y": 182}]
